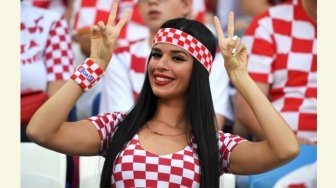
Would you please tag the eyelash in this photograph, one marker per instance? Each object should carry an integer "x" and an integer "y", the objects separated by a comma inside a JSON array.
[{"x": 156, "y": 55}]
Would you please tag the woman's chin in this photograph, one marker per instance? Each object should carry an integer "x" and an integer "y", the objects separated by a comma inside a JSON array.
[{"x": 161, "y": 94}]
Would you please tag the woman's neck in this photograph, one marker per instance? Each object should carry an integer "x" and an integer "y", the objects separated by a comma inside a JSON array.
[{"x": 171, "y": 113}]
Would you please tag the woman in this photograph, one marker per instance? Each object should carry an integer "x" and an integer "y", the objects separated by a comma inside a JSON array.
[{"x": 174, "y": 110}]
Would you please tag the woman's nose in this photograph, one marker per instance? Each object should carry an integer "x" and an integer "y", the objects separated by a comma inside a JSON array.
[{"x": 163, "y": 62}]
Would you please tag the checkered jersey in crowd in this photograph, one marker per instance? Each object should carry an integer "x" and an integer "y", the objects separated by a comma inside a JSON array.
[
  {"x": 281, "y": 45},
  {"x": 46, "y": 53},
  {"x": 136, "y": 167}
]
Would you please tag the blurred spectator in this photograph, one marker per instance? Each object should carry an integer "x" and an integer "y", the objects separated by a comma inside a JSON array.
[
  {"x": 125, "y": 74},
  {"x": 248, "y": 9},
  {"x": 283, "y": 61},
  {"x": 88, "y": 12},
  {"x": 244, "y": 11},
  {"x": 46, "y": 58},
  {"x": 63, "y": 7},
  {"x": 223, "y": 8},
  {"x": 46, "y": 55}
]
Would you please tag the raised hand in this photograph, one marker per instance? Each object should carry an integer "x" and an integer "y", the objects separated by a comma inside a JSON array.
[
  {"x": 234, "y": 53},
  {"x": 104, "y": 37}
]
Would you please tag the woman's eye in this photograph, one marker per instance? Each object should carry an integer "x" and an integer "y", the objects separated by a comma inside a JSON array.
[
  {"x": 176, "y": 58},
  {"x": 156, "y": 55}
]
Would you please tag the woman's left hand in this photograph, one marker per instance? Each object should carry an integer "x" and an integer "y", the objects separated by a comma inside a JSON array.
[
  {"x": 234, "y": 53},
  {"x": 104, "y": 37}
]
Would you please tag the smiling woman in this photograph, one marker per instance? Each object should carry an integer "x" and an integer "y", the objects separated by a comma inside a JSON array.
[
  {"x": 169, "y": 70},
  {"x": 169, "y": 137}
]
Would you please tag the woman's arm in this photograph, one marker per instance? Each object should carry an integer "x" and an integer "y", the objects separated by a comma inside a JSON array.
[
  {"x": 48, "y": 127},
  {"x": 280, "y": 143}
]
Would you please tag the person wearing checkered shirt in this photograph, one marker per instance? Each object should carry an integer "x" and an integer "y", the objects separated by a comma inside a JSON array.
[
  {"x": 169, "y": 138},
  {"x": 63, "y": 7},
  {"x": 89, "y": 12},
  {"x": 122, "y": 85},
  {"x": 46, "y": 53},
  {"x": 283, "y": 61},
  {"x": 282, "y": 48}
]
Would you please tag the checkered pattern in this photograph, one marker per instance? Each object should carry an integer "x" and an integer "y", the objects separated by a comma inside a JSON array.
[
  {"x": 136, "y": 167},
  {"x": 282, "y": 52},
  {"x": 58, "y": 52},
  {"x": 87, "y": 74},
  {"x": 226, "y": 144},
  {"x": 46, "y": 52},
  {"x": 187, "y": 42},
  {"x": 106, "y": 127}
]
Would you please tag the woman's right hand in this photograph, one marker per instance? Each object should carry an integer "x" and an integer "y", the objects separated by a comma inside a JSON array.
[
  {"x": 233, "y": 52},
  {"x": 104, "y": 37}
]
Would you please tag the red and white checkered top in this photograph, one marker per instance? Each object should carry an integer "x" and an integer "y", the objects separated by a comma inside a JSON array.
[
  {"x": 46, "y": 53},
  {"x": 282, "y": 52},
  {"x": 136, "y": 167},
  {"x": 186, "y": 42}
]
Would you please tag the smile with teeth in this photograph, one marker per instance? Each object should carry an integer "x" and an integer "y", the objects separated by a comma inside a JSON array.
[{"x": 163, "y": 79}]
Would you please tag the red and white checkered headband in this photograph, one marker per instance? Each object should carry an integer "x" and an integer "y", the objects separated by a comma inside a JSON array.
[{"x": 187, "y": 42}]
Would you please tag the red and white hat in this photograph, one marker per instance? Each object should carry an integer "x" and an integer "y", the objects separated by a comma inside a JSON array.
[{"x": 187, "y": 42}]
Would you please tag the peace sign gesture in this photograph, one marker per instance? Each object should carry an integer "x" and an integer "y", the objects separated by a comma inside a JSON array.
[
  {"x": 234, "y": 53},
  {"x": 104, "y": 37}
]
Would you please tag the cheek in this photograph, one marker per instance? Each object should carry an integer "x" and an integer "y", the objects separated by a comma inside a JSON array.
[
  {"x": 150, "y": 66},
  {"x": 176, "y": 11}
]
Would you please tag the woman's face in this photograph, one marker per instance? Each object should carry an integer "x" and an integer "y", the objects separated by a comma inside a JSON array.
[
  {"x": 156, "y": 12},
  {"x": 169, "y": 71}
]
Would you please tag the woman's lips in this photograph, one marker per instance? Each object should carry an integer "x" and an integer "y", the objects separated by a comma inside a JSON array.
[
  {"x": 154, "y": 14},
  {"x": 162, "y": 80}
]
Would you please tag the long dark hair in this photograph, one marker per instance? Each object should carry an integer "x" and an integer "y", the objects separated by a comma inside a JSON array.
[{"x": 199, "y": 112}]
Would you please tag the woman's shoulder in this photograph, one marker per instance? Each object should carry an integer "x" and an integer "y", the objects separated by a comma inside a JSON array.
[
  {"x": 107, "y": 118},
  {"x": 228, "y": 137}
]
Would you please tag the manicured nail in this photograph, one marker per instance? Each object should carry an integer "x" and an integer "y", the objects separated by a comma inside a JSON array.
[{"x": 235, "y": 37}]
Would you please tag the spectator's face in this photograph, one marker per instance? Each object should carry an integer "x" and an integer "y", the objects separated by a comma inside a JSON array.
[
  {"x": 169, "y": 71},
  {"x": 252, "y": 7},
  {"x": 156, "y": 12}
]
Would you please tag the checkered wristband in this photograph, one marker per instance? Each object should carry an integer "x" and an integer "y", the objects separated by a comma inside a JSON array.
[{"x": 87, "y": 74}]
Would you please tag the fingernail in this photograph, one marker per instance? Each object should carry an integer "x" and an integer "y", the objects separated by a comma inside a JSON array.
[
  {"x": 234, "y": 37},
  {"x": 233, "y": 51}
]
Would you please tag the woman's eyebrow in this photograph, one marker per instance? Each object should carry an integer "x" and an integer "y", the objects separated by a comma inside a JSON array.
[
  {"x": 179, "y": 51},
  {"x": 156, "y": 49}
]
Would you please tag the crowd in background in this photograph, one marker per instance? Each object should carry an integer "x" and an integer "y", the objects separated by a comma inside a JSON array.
[{"x": 280, "y": 35}]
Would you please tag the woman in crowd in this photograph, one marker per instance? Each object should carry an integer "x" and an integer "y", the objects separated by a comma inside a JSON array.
[{"x": 169, "y": 137}]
